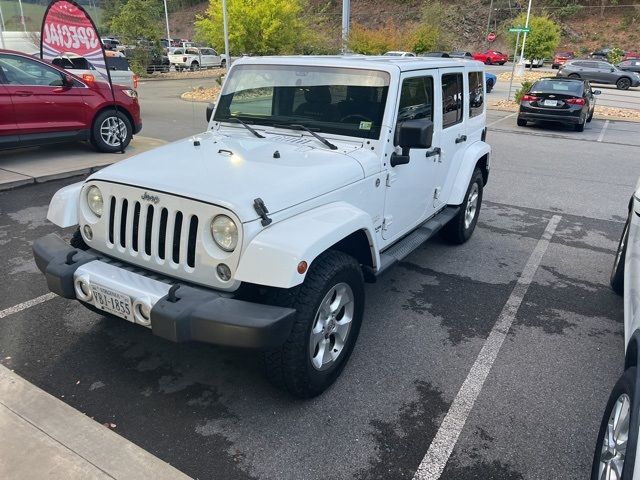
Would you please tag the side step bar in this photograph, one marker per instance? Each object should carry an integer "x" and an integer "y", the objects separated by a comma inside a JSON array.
[{"x": 403, "y": 247}]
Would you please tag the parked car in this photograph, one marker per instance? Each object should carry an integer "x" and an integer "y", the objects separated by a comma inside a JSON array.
[
  {"x": 110, "y": 43},
  {"x": 41, "y": 103},
  {"x": 193, "y": 58},
  {"x": 560, "y": 58},
  {"x": 631, "y": 55},
  {"x": 119, "y": 69},
  {"x": 399, "y": 54},
  {"x": 150, "y": 57},
  {"x": 537, "y": 63},
  {"x": 490, "y": 80},
  {"x": 236, "y": 238},
  {"x": 617, "y": 442},
  {"x": 461, "y": 54},
  {"x": 435, "y": 54},
  {"x": 560, "y": 100},
  {"x": 630, "y": 66},
  {"x": 600, "y": 54},
  {"x": 600, "y": 72},
  {"x": 491, "y": 57}
]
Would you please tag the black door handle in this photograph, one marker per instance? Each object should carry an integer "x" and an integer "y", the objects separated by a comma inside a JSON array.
[{"x": 461, "y": 138}]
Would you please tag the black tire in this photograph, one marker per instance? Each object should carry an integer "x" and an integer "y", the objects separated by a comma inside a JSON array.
[
  {"x": 290, "y": 367},
  {"x": 457, "y": 231},
  {"x": 555, "y": 67},
  {"x": 489, "y": 87},
  {"x": 625, "y": 385},
  {"x": 223, "y": 63},
  {"x": 521, "y": 122},
  {"x": 579, "y": 127},
  {"x": 194, "y": 66},
  {"x": 77, "y": 241},
  {"x": 502, "y": 63},
  {"x": 574, "y": 75},
  {"x": 487, "y": 61},
  {"x": 617, "y": 272},
  {"x": 590, "y": 117},
  {"x": 623, "y": 83},
  {"x": 97, "y": 138}
]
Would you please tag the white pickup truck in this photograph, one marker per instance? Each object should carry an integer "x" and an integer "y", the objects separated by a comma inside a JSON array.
[
  {"x": 192, "y": 58},
  {"x": 315, "y": 175}
]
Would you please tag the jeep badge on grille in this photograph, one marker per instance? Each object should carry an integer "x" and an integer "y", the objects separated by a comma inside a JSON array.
[{"x": 150, "y": 198}]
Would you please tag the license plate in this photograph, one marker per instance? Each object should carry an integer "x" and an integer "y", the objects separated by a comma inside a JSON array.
[
  {"x": 550, "y": 103},
  {"x": 112, "y": 301}
]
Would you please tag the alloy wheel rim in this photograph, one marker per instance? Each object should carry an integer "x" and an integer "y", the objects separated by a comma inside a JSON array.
[
  {"x": 472, "y": 206},
  {"x": 624, "y": 83},
  {"x": 331, "y": 326},
  {"x": 113, "y": 131},
  {"x": 614, "y": 443}
]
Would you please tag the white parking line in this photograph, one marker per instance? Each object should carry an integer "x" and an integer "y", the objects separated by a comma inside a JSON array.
[
  {"x": 441, "y": 447},
  {"x": 603, "y": 131},
  {"x": 503, "y": 118},
  {"x": 28, "y": 304}
]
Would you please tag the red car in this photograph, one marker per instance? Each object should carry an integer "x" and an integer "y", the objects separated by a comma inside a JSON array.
[
  {"x": 491, "y": 57},
  {"x": 561, "y": 58},
  {"x": 41, "y": 103}
]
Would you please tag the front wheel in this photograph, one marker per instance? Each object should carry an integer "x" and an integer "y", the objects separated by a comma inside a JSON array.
[
  {"x": 329, "y": 307},
  {"x": 521, "y": 122},
  {"x": 461, "y": 227},
  {"x": 617, "y": 272},
  {"x": 623, "y": 84},
  {"x": 111, "y": 131},
  {"x": 487, "y": 61},
  {"x": 615, "y": 449},
  {"x": 574, "y": 75}
]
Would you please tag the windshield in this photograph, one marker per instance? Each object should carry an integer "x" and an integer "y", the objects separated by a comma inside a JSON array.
[{"x": 335, "y": 100}]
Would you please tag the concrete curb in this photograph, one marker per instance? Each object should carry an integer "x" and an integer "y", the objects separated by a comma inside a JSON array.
[{"x": 45, "y": 437}]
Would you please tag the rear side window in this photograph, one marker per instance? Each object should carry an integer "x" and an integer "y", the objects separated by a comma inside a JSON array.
[
  {"x": 416, "y": 99},
  {"x": 178, "y": 51},
  {"x": 558, "y": 86},
  {"x": 452, "y": 94},
  {"x": 476, "y": 93}
]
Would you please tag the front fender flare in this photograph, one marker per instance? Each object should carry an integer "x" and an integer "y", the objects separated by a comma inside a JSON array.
[
  {"x": 63, "y": 208},
  {"x": 471, "y": 157},
  {"x": 272, "y": 257}
]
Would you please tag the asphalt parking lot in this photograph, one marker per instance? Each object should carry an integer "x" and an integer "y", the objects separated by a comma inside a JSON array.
[{"x": 554, "y": 207}]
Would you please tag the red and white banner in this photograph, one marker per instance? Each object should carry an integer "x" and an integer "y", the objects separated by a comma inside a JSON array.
[{"x": 68, "y": 28}]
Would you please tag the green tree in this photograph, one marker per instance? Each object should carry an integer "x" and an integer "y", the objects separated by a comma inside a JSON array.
[
  {"x": 542, "y": 40},
  {"x": 110, "y": 10},
  {"x": 139, "y": 19},
  {"x": 258, "y": 27}
]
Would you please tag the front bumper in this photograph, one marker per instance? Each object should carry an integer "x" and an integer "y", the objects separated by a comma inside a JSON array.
[{"x": 185, "y": 314}]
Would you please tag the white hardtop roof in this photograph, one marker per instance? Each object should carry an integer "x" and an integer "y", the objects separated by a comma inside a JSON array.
[{"x": 383, "y": 63}]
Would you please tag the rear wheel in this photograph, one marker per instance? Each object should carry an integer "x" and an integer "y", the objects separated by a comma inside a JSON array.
[
  {"x": 461, "y": 227},
  {"x": 579, "y": 127},
  {"x": 111, "y": 131},
  {"x": 623, "y": 84},
  {"x": 487, "y": 61},
  {"x": 329, "y": 307},
  {"x": 489, "y": 86},
  {"x": 195, "y": 66},
  {"x": 223, "y": 63},
  {"x": 617, "y": 272}
]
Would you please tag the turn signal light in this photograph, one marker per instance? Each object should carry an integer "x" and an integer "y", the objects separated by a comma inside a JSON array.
[
  {"x": 87, "y": 77},
  {"x": 575, "y": 101},
  {"x": 530, "y": 98}
]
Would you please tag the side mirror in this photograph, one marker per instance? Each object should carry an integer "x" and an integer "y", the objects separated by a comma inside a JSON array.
[
  {"x": 613, "y": 69},
  {"x": 411, "y": 134},
  {"x": 596, "y": 92},
  {"x": 210, "y": 108},
  {"x": 67, "y": 80}
]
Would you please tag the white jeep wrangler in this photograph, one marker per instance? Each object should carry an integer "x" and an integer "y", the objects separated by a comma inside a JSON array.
[{"x": 315, "y": 175}]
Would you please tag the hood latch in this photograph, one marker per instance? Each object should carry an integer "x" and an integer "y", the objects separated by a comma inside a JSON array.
[{"x": 261, "y": 210}]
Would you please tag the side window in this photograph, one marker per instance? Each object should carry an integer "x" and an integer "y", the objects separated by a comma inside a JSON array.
[
  {"x": 416, "y": 99},
  {"x": 452, "y": 94},
  {"x": 23, "y": 71},
  {"x": 476, "y": 93}
]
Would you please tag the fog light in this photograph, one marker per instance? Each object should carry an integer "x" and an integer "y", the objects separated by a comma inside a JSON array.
[
  {"x": 224, "y": 272},
  {"x": 88, "y": 233},
  {"x": 83, "y": 289}
]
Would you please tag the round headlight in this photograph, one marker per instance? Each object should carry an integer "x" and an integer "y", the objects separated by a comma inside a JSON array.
[
  {"x": 94, "y": 200},
  {"x": 225, "y": 233}
]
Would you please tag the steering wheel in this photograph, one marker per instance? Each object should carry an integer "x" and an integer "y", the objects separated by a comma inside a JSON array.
[{"x": 356, "y": 116}]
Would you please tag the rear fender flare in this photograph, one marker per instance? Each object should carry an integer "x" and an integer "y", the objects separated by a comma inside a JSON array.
[{"x": 471, "y": 158}]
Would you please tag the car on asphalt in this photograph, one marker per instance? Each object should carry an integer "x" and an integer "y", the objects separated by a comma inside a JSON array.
[
  {"x": 617, "y": 443},
  {"x": 194, "y": 58},
  {"x": 601, "y": 54},
  {"x": 560, "y": 58},
  {"x": 537, "y": 63},
  {"x": 491, "y": 57},
  {"x": 119, "y": 69},
  {"x": 435, "y": 54},
  {"x": 315, "y": 175},
  {"x": 397, "y": 53},
  {"x": 461, "y": 54},
  {"x": 600, "y": 72},
  {"x": 629, "y": 66},
  {"x": 560, "y": 100},
  {"x": 490, "y": 80},
  {"x": 631, "y": 55},
  {"x": 41, "y": 103}
]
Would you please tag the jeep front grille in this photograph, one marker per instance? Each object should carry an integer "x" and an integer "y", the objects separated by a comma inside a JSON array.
[{"x": 153, "y": 231}]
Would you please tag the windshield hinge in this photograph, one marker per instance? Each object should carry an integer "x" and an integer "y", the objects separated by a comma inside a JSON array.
[{"x": 261, "y": 210}]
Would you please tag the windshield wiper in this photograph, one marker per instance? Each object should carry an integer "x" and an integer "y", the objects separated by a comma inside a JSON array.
[
  {"x": 251, "y": 129},
  {"x": 308, "y": 130}
]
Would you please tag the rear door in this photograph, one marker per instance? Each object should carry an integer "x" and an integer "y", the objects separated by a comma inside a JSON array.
[
  {"x": 41, "y": 102},
  {"x": 8, "y": 128}
]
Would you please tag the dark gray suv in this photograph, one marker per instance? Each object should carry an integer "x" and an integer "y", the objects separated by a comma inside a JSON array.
[{"x": 600, "y": 72}]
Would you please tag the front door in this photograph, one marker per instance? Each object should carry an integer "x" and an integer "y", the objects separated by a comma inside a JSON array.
[
  {"x": 42, "y": 103},
  {"x": 410, "y": 187}
]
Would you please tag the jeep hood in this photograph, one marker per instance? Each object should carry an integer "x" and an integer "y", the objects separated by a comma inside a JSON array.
[{"x": 233, "y": 171}]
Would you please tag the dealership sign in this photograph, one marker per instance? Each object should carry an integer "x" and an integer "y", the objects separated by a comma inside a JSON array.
[{"x": 68, "y": 28}]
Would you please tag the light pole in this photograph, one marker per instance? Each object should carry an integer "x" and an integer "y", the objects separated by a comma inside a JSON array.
[
  {"x": 2, "y": 28},
  {"x": 24, "y": 27},
  {"x": 524, "y": 41},
  {"x": 226, "y": 33},
  {"x": 166, "y": 19},
  {"x": 346, "y": 13}
]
